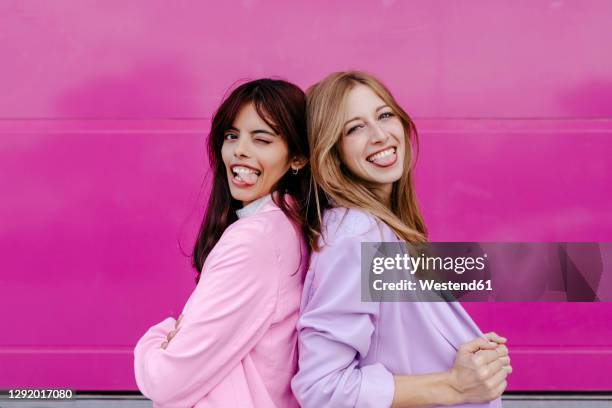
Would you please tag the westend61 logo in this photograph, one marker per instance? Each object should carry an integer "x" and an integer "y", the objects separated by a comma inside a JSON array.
[
  {"x": 428, "y": 263},
  {"x": 486, "y": 271}
]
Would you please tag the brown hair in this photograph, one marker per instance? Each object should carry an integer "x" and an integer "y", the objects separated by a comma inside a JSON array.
[
  {"x": 282, "y": 105},
  {"x": 325, "y": 105}
]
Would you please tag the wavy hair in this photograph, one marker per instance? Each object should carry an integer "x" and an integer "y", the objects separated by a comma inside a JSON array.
[{"x": 325, "y": 112}]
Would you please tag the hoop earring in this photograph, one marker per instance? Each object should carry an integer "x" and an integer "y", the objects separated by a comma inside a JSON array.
[{"x": 295, "y": 171}]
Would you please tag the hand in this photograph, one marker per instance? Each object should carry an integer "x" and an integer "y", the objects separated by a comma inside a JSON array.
[
  {"x": 480, "y": 370},
  {"x": 172, "y": 333},
  {"x": 494, "y": 337},
  {"x": 501, "y": 349}
]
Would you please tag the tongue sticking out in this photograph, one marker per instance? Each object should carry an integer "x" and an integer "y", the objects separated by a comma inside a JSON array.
[
  {"x": 249, "y": 178},
  {"x": 385, "y": 161}
]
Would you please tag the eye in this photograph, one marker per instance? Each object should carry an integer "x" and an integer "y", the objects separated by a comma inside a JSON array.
[
  {"x": 354, "y": 128},
  {"x": 386, "y": 115},
  {"x": 230, "y": 136},
  {"x": 264, "y": 141}
]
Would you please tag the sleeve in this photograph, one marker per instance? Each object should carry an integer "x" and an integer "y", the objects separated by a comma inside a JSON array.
[
  {"x": 334, "y": 327},
  {"x": 228, "y": 313}
]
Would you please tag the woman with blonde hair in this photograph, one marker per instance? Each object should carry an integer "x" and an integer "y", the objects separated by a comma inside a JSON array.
[{"x": 377, "y": 354}]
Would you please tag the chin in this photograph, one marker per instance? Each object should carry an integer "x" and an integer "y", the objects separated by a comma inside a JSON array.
[
  {"x": 387, "y": 178},
  {"x": 240, "y": 196}
]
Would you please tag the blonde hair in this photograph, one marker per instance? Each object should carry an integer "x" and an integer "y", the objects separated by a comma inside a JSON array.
[{"x": 325, "y": 104}]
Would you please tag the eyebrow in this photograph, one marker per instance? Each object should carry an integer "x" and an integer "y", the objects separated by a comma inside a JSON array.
[
  {"x": 255, "y": 132},
  {"x": 357, "y": 117}
]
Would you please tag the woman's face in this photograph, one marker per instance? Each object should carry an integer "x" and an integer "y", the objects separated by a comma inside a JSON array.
[
  {"x": 255, "y": 157},
  {"x": 372, "y": 145}
]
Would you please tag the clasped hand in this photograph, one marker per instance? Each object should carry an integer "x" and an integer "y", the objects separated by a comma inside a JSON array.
[
  {"x": 172, "y": 333},
  {"x": 481, "y": 368}
]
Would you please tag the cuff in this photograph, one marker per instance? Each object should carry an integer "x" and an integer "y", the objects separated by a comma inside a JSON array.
[{"x": 377, "y": 387}]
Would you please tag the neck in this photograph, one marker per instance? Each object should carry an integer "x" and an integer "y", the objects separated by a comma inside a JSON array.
[{"x": 384, "y": 193}]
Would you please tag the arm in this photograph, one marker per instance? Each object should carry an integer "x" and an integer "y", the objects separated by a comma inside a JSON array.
[
  {"x": 334, "y": 327},
  {"x": 424, "y": 390},
  {"x": 228, "y": 313}
]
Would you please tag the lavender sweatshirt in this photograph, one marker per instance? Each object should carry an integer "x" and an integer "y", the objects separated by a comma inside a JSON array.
[{"x": 349, "y": 350}]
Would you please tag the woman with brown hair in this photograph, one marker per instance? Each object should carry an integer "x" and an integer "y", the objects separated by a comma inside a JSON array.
[
  {"x": 377, "y": 354},
  {"x": 235, "y": 344}
]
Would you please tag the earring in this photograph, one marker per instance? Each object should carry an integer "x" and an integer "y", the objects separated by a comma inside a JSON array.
[{"x": 295, "y": 171}]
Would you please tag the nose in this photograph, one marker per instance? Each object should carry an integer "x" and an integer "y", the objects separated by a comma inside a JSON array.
[
  {"x": 241, "y": 147},
  {"x": 377, "y": 133}
]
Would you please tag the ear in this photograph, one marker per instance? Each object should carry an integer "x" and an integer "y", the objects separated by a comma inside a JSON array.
[{"x": 298, "y": 162}]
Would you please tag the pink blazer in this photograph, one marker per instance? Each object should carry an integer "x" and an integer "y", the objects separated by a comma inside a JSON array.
[{"x": 237, "y": 342}]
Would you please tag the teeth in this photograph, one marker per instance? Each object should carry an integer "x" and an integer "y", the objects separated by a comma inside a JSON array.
[
  {"x": 245, "y": 174},
  {"x": 244, "y": 170},
  {"x": 382, "y": 154}
]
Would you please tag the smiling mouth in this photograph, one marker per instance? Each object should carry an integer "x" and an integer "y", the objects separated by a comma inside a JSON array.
[
  {"x": 244, "y": 174},
  {"x": 381, "y": 155}
]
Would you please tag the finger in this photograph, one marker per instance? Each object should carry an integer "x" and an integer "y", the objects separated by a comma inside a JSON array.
[
  {"x": 164, "y": 345},
  {"x": 501, "y": 350},
  {"x": 505, "y": 361},
  {"x": 497, "y": 378},
  {"x": 171, "y": 334},
  {"x": 501, "y": 387},
  {"x": 179, "y": 321},
  {"x": 492, "y": 336},
  {"x": 485, "y": 357},
  {"x": 496, "y": 366},
  {"x": 477, "y": 344}
]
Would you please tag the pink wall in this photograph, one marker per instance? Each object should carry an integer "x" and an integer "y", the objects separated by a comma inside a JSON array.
[{"x": 104, "y": 111}]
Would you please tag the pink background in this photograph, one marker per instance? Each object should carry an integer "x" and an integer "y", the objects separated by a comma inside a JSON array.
[{"x": 105, "y": 107}]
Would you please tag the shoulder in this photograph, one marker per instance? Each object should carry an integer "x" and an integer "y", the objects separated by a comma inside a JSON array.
[
  {"x": 245, "y": 251},
  {"x": 242, "y": 240},
  {"x": 266, "y": 230},
  {"x": 245, "y": 229},
  {"x": 277, "y": 227},
  {"x": 342, "y": 222}
]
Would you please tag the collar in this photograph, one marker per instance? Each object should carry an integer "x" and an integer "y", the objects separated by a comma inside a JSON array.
[{"x": 253, "y": 207}]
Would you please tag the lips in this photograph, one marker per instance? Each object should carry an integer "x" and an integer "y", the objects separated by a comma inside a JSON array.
[
  {"x": 383, "y": 158},
  {"x": 244, "y": 175},
  {"x": 381, "y": 154}
]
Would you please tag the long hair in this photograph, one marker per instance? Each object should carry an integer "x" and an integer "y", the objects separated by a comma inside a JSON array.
[
  {"x": 282, "y": 106},
  {"x": 325, "y": 111}
]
